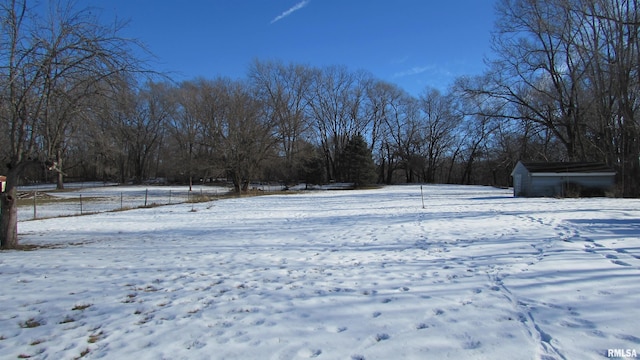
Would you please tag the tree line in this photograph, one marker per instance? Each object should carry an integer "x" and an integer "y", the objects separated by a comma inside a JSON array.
[{"x": 75, "y": 103}]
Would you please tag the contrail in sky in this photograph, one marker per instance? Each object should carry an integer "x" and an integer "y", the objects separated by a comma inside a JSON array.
[{"x": 293, "y": 9}]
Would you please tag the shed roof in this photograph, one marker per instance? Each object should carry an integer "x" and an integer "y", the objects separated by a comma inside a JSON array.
[{"x": 568, "y": 167}]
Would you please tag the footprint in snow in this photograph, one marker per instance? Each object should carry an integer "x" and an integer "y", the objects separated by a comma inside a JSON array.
[
  {"x": 309, "y": 353},
  {"x": 196, "y": 344},
  {"x": 578, "y": 324},
  {"x": 620, "y": 262},
  {"x": 337, "y": 329},
  {"x": 631, "y": 338}
]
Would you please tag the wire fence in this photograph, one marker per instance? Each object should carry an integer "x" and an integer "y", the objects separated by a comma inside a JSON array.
[{"x": 36, "y": 204}]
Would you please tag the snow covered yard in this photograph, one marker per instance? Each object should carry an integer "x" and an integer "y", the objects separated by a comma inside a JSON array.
[{"x": 366, "y": 274}]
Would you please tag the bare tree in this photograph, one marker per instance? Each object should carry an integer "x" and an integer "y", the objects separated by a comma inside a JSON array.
[
  {"x": 335, "y": 102},
  {"x": 571, "y": 66},
  {"x": 532, "y": 42},
  {"x": 401, "y": 131},
  {"x": 186, "y": 127},
  {"x": 282, "y": 89},
  {"x": 39, "y": 55},
  {"x": 384, "y": 102},
  {"x": 609, "y": 51},
  {"x": 238, "y": 130},
  {"x": 480, "y": 119},
  {"x": 439, "y": 122},
  {"x": 142, "y": 127}
]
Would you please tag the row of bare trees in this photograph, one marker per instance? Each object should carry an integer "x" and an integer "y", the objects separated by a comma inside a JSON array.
[
  {"x": 286, "y": 123},
  {"x": 563, "y": 86}
]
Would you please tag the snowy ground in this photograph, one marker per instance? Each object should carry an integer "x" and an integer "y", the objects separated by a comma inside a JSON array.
[{"x": 370, "y": 274}]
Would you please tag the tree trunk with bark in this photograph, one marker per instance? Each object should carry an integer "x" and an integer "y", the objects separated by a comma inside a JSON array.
[{"x": 9, "y": 213}]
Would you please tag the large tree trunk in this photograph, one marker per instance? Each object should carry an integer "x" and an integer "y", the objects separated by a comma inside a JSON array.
[{"x": 9, "y": 215}]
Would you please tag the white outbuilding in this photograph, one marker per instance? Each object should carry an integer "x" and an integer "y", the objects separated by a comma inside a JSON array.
[{"x": 560, "y": 179}]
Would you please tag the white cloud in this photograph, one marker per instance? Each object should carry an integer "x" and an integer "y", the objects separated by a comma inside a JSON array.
[
  {"x": 413, "y": 71},
  {"x": 291, "y": 10}
]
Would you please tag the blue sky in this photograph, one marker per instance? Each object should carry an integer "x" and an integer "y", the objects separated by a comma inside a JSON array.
[{"x": 412, "y": 43}]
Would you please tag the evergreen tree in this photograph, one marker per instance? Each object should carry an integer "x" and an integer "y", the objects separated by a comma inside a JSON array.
[
  {"x": 311, "y": 169},
  {"x": 357, "y": 162}
]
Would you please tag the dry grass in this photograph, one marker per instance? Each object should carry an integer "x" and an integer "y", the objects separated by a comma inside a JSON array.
[
  {"x": 84, "y": 353},
  {"x": 67, "y": 319},
  {"x": 81, "y": 307},
  {"x": 42, "y": 198},
  {"x": 30, "y": 323},
  {"x": 93, "y": 338}
]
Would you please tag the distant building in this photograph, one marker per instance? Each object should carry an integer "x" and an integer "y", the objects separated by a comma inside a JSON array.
[{"x": 561, "y": 179}]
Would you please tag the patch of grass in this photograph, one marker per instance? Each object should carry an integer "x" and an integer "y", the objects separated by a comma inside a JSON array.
[
  {"x": 30, "y": 324},
  {"x": 30, "y": 247},
  {"x": 84, "y": 353},
  {"x": 124, "y": 208},
  {"x": 200, "y": 198},
  {"x": 150, "y": 206},
  {"x": 148, "y": 288},
  {"x": 34, "y": 247},
  {"x": 26, "y": 199},
  {"x": 67, "y": 319},
  {"x": 145, "y": 320},
  {"x": 37, "y": 342},
  {"x": 24, "y": 356},
  {"x": 93, "y": 338},
  {"x": 81, "y": 307},
  {"x": 130, "y": 298}
]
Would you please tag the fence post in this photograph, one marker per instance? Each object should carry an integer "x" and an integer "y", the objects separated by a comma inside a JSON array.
[
  {"x": 121, "y": 207},
  {"x": 35, "y": 205},
  {"x": 169, "y": 196},
  {"x": 146, "y": 194},
  {"x": 80, "y": 204},
  {"x": 422, "y": 196}
]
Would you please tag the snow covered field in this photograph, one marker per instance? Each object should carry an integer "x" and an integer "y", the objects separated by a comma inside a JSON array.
[{"x": 476, "y": 274}]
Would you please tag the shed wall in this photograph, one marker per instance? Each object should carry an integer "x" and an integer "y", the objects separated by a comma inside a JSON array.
[
  {"x": 521, "y": 181},
  {"x": 554, "y": 185}
]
